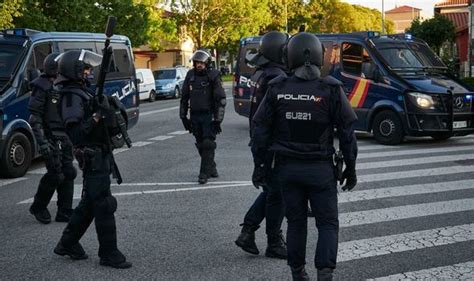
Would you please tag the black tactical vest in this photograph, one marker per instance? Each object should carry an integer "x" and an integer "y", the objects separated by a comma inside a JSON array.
[
  {"x": 304, "y": 121},
  {"x": 46, "y": 103},
  {"x": 200, "y": 92}
]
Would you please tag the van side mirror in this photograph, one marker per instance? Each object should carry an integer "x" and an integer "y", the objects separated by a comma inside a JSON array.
[
  {"x": 178, "y": 77},
  {"x": 378, "y": 76},
  {"x": 32, "y": 74},
  {"x": 371, "y": 71},
  {"x": 139, "y": 81}
]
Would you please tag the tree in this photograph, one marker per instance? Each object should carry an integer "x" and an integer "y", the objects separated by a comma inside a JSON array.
[
  {"x": 434, "y": 31},
  {"x": 9, "y": 10},
  {"x": 85, "y": 16}
]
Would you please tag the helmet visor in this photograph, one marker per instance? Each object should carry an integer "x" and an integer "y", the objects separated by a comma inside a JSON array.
[
  {"x": 87, "y": 57},
  {"x": 200, "y": 56}
]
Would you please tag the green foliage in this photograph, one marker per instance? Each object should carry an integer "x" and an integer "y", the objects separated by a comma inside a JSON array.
[
  {"x": 84, "y": 16},
  {"x": 434, "y": 31},
  {"x": 8, "y": 10}
]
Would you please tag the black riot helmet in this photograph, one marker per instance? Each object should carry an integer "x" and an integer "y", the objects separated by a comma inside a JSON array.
[
  {"x": 71, "y": 64},
  {"x": 50, "y": 65},
  {"x": 202, "y": 56},
  {"x": 305, "y": 56},
  {"x": 271, "y": 48}
]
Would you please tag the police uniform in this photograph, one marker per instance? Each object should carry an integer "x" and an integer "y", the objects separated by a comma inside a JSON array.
[
  {"x": 269, "y": 203},
  {"x": 55, "y": 147},
  {"x": 296, "y": 122},
  {"x": 92, "y": 150},
  {"x": 205, "y": 98}
]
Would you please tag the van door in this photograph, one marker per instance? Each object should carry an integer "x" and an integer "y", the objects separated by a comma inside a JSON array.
[{"x": 358, "y": 84}]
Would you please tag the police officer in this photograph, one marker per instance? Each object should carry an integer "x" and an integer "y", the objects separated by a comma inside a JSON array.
[
  {"x": 296, "y": 121},
  {"x": 84, "y": 120},
  {"x": 205, "y": 98},
  {"x": 269, "y": 204},
  {"x": 54, "y": 146}
]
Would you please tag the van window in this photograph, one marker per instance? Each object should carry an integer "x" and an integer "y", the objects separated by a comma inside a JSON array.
[
  {"x": 40, "y": 52},
  {"x": 247, "y": 52},
  {"x": 67, "y": 46},
  {"x": 327, "y": 63},
  {"x": 164, "y": 74},
  {"x": 353, "y": 55}
]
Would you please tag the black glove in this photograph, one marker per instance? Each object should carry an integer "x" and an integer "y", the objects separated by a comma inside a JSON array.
[
  {"x": 187, "y": 124},
  {"x": 216, "y": 127},
  {"x": 45, "y": 150},
  {"x": 349, "y": 176},
  {"x": 259, "y": 176}
]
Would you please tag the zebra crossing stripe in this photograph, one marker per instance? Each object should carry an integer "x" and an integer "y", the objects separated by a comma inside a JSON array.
[
  {"x": 406, "y": 190},
  {"x": 385, "y": 245},
  {"x": 373, "y": 146},
  {"x": 414, "y": 161},
  {"x": 467, "y": 148},
  {"x": 415, "y": 173},
  {"x": 460, "y": 271},
  {"x": 405, "y": 212}
]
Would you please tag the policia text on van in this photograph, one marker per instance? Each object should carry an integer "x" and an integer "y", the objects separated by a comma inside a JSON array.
[
  {"x": 395, "y": 83},
  {"x": 22, "y": 52}
]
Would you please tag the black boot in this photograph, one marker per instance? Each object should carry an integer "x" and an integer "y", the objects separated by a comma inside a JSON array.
[
  {"x": 212, "y": 165},
  {"x": 75, "y": 252},
  {"x": 246, "y": 240},
  {"x": 325, "y": 274},
  {"x": 116, "y": 260},
  {"x": 41, "y": 215},
  {"x": 276, "y": 247},
  {"x": 63, "y": 215},
  {"x": 299, "y": 274}
]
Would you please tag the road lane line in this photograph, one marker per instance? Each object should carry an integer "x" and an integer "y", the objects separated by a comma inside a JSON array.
[
  {"x": 466, "y": 147},
  {"x": 460, "y": 271},
  {"x": 414, "y": 161},
  {"x": 161, "y": 138},
  {"x": 406, "y": 190},
  {"x": 179, "y": 133},
  {"x": 384, "y": 245},
  {"x": 405, "y": 212},
  {"x": 141, "y": 143},
  {"x": 159, "y": 111},
  {"x": 10, "y": 181}
]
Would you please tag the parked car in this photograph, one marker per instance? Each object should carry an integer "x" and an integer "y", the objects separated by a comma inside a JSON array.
[
  {"x": 146, "y": 84},
  {"x": 169, "y": 81}
]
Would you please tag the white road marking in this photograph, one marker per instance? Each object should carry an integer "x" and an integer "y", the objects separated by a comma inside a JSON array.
[
  {"x": 10, "y": 181},
  {"x": 375, "y": 146},
  {"x": 460, "y": 271},
  {"x": 384, "y": 245},
  {"x": 177, "y": 183},
  {"x": 405, "y": 212},
  {"x": 406, "y": 190},
  {"x": 415, "y": 173},
  {"x": 179, "y": 133},
  {"x": 141, "y": 143},
  {"x": 160, "y": 138},
  {"x": 37, "y": 171},
  {"x": 159, "y": 111},
  {"x": 467, "y": 147},
  {"x": 414, "y": 161},
  {"x": 120, "y": 150}
]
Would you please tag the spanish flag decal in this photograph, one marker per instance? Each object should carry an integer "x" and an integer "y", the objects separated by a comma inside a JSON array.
[{"x": 359, "y": 93}]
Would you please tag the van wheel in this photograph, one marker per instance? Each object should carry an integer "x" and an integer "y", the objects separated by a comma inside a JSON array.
[
  {"x": 387, "y": 128},
  {"x": 441, "y": 136},
  {"x": 16, "y": 157},
  {"x": 177, "y": 93},
  {"x": 152, "y": 96}
]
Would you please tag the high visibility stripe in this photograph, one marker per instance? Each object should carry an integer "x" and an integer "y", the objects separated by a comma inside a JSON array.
[{"x": 358, "y": 94}]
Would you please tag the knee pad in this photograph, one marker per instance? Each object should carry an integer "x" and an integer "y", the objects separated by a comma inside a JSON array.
[
  {"x": 208, "y": 144},
  {"x": 108, "y": 205},
  {"x": 69, "y": 172}
]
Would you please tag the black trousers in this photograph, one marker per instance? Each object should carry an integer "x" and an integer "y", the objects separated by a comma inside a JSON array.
[
  {"x": 59, "y": 177},
  {"x": 268, "y": 205},
  {"x": 97, "y": 203},
  {"x": 205, "y": 141},
  {"x": 312, "y": 181}
]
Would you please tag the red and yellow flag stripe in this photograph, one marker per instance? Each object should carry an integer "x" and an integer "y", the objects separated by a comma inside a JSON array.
[{"x": 359, "y": 93}]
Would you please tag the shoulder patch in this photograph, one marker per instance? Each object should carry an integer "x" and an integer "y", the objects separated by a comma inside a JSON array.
[{"x": 331, "y": 81}]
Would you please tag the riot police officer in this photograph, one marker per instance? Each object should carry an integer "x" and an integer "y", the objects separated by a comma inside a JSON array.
[
  {"x": 83, "y": 117},
  {"x": 205, "y": 98},
  {"x": 296, "y": 121},
  {"x": 269, "y": 204},
  {"x": 54, "y": 146}
]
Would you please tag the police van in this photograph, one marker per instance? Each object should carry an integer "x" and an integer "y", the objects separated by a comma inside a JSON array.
[
  {"x": 22, "y": 52},
  {"x": 395, "y": 83}
]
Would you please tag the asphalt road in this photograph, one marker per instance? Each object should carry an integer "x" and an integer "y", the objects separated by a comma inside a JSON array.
[{"x": 411, "y": 216}]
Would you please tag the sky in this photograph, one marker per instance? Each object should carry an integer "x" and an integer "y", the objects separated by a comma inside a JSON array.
[{"x": 427, "y": 6}]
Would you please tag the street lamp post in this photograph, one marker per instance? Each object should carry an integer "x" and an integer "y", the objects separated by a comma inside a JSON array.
[{"x": 383, "y": 18}]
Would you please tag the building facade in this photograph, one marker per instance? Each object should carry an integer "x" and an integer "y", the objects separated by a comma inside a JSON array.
[{"x": 402, "y": 17}]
